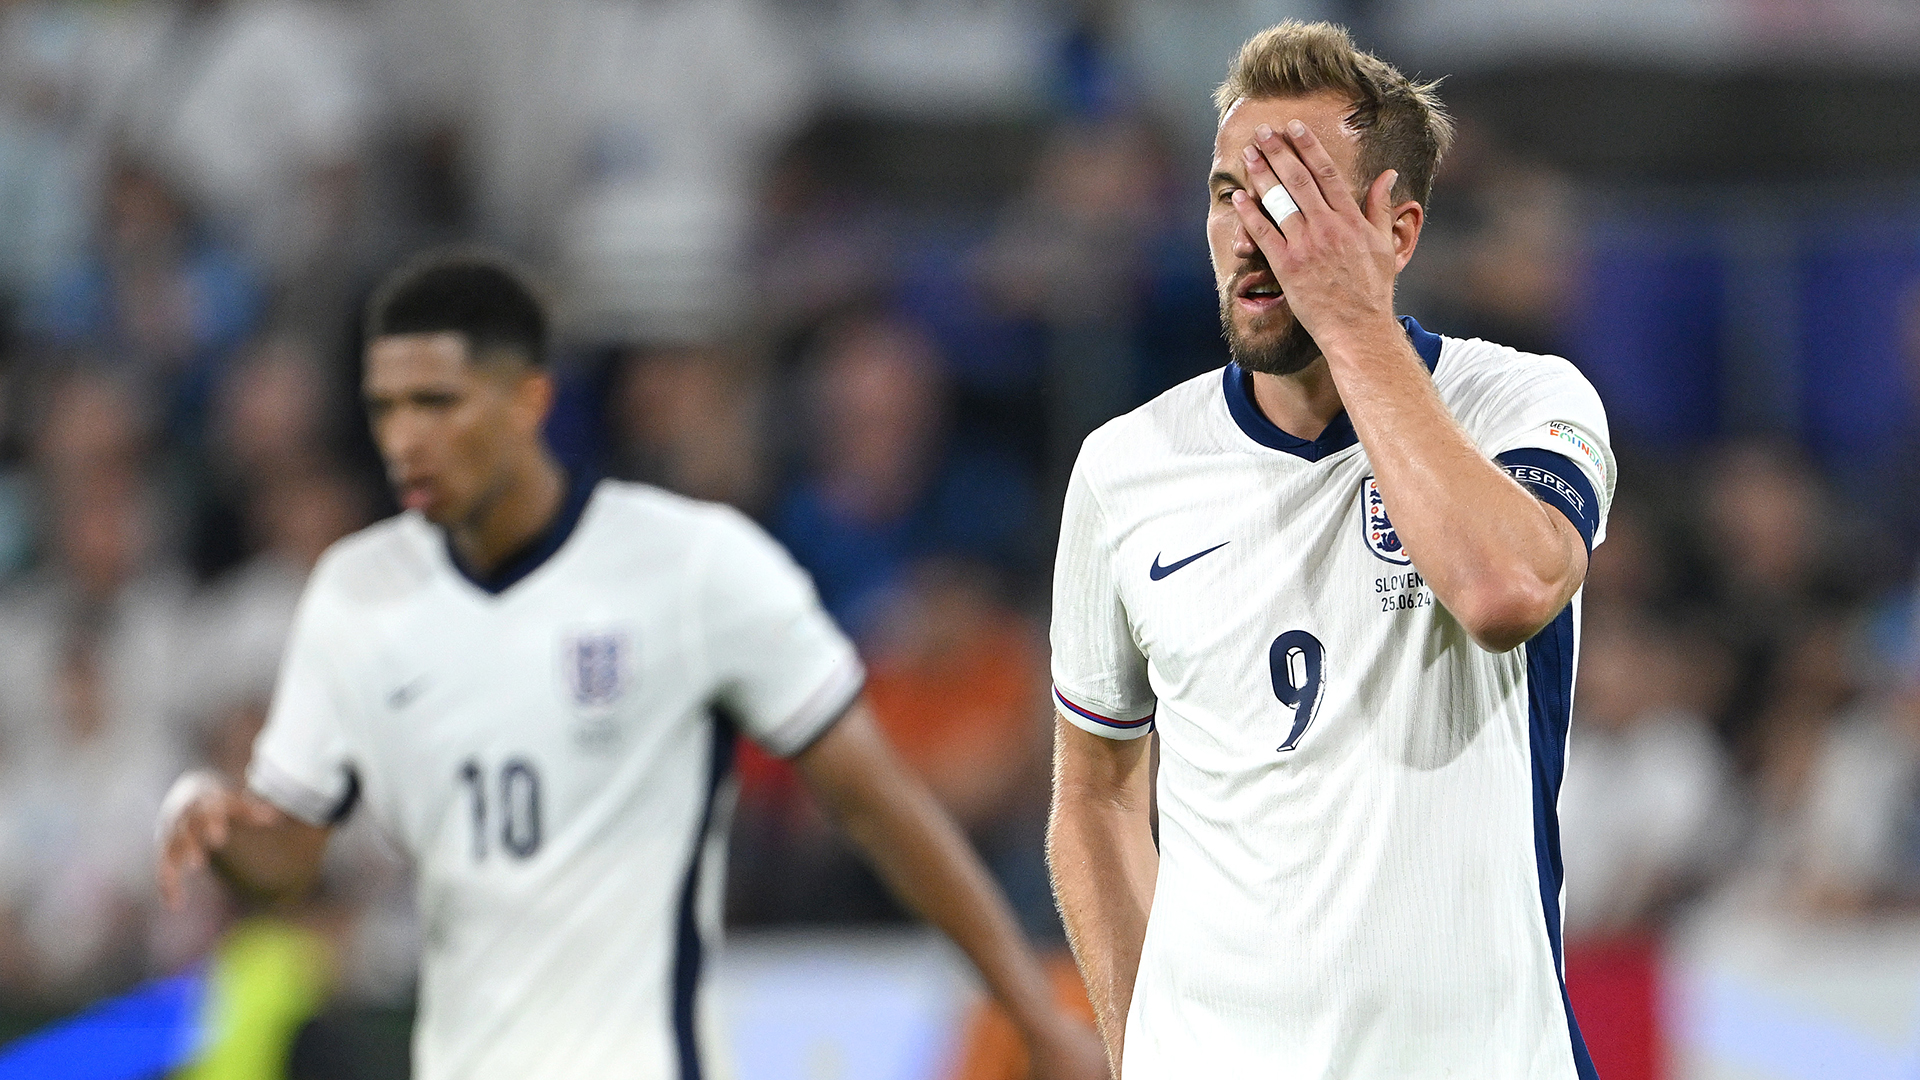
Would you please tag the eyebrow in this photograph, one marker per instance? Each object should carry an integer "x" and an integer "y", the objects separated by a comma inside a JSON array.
[{"x": 1221, "y": 177}]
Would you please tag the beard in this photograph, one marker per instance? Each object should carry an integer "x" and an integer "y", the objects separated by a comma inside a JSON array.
[{"x": 1284, "y": 352}]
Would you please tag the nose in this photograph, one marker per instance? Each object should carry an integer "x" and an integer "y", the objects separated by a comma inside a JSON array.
[
  {"x": 402, "y": 439},
  {"x": 1243, "y": 245}
]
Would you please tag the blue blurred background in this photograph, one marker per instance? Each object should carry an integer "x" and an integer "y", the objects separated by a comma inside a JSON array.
[{"x": 870, "y": 270}]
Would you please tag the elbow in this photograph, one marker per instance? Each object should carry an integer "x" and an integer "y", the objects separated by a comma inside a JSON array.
[{"x": 1502, "y": 615}]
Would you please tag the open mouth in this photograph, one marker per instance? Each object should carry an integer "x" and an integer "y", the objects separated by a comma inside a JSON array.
[{"x": 1258, "y": 292}]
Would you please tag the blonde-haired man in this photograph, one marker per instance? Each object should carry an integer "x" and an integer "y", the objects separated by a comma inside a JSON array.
[{"x": 1338, "y": 579}]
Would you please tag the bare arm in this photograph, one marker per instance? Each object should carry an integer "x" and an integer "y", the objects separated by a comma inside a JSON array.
[
  {"x": 926, "y": 861},
  {"x": 252, "y": 844},
  {"x": 1100, "y": 850},
  {"x": 1499, "y": 560}
]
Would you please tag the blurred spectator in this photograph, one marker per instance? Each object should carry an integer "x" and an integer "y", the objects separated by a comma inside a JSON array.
[
  {"x": 1498, "y": 252},
  {"x": 883, "y": 487},
  {"x": 89, "y": 707},
  {"x": 822, "y": 245},
  {"x": 245, "y": 614},
  {"x": 640, "y": 190},
  {"x": 1095, "y": 254},
  {"x": 1641, "y": 739},
  {"x": 958, "y": 680},
  {"x": 1861, "y": 842},
  {"x": 262, "y": 110},
  {"x": 157, "y": 296},
  {"x": 690, "y": 420},
  {"x": 1778, "y": 594},
  {"x": 43, "y": 177},
  {"x": 274, "y": 422}
]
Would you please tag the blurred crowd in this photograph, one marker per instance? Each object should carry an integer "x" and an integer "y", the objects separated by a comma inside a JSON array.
[{"x": 885, "y": 352}]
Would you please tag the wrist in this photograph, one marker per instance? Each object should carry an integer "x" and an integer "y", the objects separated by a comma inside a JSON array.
[{"x": 1364, "y": 342}]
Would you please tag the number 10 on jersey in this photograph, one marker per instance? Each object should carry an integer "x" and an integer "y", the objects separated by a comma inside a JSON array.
[
  {"x": 1296, "y": 659},
  {"x": 518, "y": 807}
]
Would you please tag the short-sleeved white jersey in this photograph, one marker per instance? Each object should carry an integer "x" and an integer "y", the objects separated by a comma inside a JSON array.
[
  {"x": 553, "y": 754},
  {"x": 1359, "y": 863}
]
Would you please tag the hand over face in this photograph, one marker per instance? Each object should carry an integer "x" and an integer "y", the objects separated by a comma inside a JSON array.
[{"x": 1334, "y": 261}]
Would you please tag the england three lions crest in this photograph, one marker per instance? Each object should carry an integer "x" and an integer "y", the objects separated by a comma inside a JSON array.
[
  {"x": 1381, "y": 538},
  {"x": 597, "y": 668}
]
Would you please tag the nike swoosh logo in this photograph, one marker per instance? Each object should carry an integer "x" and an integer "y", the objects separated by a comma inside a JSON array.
[
  {"x": 1156, "y": 572},
  {"x": 402, "y": 696}
]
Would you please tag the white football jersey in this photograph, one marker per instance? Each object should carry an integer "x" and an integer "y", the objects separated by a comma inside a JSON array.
[
  {"x": 1359, "y": 863},
  {"x": 552, "y": 749}
]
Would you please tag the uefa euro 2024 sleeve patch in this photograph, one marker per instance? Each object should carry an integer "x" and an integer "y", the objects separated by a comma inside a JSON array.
[
  {"x": 1381, "y": 538},
  {"x": 1576, "y": 445}
]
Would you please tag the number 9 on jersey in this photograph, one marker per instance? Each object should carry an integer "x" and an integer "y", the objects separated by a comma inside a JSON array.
[{"x": 1297, "y": 658}]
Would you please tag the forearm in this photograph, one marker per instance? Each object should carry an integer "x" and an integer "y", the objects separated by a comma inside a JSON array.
[
  {"x": 1104, "y": 864},
  {"x": 930, "y": 866},
  {"x": 1493, "y": 555},
  {"x": 925, "y": 860}
]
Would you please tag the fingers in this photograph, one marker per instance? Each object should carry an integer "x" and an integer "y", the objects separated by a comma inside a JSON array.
[
  {"x": 1317, "y": 164},
  {"x": 194, "y": 821},
  {"x": 1264, "y": 233},
  {"x": 1380, "y": 200},
  {"x": 1289, "y": 169},
  {"x": 184, "y": 852},
  {"x": 1267, "y": 187}
]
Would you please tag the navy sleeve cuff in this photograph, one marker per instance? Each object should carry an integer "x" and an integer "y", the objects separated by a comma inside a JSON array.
[{"x": 1558, "y": 482}]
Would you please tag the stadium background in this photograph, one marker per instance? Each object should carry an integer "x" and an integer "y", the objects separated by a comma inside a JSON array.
[{"x": 870, "y": 269}]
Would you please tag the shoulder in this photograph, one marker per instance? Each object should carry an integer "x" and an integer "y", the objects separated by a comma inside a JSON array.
[
  {"x": 702, "y": 538},
  {"x": 636, "y": 510},
  {"x": 384, "y": 561},
  {"x": 1182, "y": 420},
  {"x": 1479, "y": 375},
  {"x": 659, "y": 512},
  {"x": 1473, "y": 370}
]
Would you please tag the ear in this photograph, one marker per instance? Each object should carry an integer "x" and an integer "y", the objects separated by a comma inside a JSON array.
[
  {"x": 532, "y": 397},
  {"x": 1408, "y": 218}
]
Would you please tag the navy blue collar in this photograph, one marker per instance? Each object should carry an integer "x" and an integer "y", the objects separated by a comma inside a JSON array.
[
  {"x": 1339, "y": 431},
  {"x": 538, "y": 550}
]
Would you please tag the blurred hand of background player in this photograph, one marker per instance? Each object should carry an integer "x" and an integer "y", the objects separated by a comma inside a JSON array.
[
  {"x": 1335, "y": 263},
  {"x": 207, "y": 822}
]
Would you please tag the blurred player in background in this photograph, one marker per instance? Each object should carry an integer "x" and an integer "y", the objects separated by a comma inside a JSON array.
[
  {"x": 1337, "y": 579},
  {"x": 534, "y": 682}
]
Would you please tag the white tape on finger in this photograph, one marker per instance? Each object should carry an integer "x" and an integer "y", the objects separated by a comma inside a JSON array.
[{"x": 1279, "y": 204}]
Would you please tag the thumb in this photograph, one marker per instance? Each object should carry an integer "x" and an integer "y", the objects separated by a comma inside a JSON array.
[{"x": 1380, "y": 200}]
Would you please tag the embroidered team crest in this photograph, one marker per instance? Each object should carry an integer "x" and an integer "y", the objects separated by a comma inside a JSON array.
[
  {"x": 596, "y": 668},
  {"x": 1382, "y": 540}
]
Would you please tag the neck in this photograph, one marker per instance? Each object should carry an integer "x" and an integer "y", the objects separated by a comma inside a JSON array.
[
  {"x": 523, "y": 509},
  {"x": 1301, "y": 404}
]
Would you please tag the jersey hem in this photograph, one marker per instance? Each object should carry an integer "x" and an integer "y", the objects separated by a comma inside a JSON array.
[
  {"x": 1107, "y": 727},
  {"x": 278, "y": 786},
  {"x": 822, "y": 709}
]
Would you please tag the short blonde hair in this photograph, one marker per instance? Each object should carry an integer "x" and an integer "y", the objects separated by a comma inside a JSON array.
[{"x": 1401, "y": 123}]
